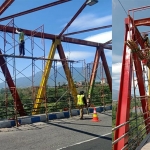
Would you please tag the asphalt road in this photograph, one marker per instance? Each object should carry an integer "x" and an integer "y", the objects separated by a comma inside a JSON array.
[
  {"x": 101, "y": 143},
  {"x": 65, "y": 134}
]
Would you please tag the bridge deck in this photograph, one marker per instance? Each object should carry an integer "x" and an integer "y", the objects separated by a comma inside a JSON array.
[{"x": 67, "y": 134}]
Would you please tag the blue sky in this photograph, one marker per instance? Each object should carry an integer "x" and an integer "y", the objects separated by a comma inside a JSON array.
[
  {"x": 118, "y": 16},
  {"x": 54, "y": 20}
]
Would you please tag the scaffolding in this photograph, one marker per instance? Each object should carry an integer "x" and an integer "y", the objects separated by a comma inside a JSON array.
[{"x": 38, "y": 92}]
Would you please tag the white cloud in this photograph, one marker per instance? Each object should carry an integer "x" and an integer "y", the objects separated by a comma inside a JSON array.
[
  {"x": 91, "y": 20},
  {"x": 76, "y": 55},
  {"x": 100, "y": 38},
  {"x": 80, "y": 55},
  {"x": 116, "y": 68}
]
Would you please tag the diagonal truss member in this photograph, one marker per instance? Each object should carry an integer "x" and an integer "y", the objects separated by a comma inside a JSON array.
[
  {"x": 5, "y": 5},
  {"x": 41, "y": 92},
  {"x": 11, "y": 85}
]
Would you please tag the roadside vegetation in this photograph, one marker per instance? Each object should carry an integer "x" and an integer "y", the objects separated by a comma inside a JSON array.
[{"x": 56, "y": 99}]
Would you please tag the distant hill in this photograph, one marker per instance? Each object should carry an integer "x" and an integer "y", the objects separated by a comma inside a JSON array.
[{"x": 78, "y": 75}]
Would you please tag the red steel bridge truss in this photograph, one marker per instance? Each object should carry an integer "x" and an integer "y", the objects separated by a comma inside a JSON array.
[
  {"x": 135, "y": 60},
  {"x": 56, "y": 44}
]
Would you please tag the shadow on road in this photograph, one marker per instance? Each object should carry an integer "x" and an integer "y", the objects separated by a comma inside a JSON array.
[
  {"x": 84, "y": 132},
  {"x": 63, "y": 122}
]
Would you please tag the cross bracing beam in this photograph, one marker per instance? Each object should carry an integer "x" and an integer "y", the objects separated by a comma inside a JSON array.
[
  {"x": 5, "y": 5},
  {"x": 63, "y": 39},
  {"x": 34, "y": 9},
  {"x": 73, "y": 18},
  {"x": 87, "y": 30}
]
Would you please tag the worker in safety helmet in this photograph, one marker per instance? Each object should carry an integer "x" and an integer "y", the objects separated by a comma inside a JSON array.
[
  {"x": 21, "y": 42},
  {"x": 146, "y": 40},
  {"x": 81, "y": 102}
]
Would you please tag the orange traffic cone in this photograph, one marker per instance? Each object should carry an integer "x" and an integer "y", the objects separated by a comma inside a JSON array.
[{"x": 95, "y": 116}]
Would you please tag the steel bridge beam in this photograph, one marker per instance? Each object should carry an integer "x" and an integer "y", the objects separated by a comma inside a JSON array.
[
  {"x": 142, "y": 22},
  {"x": 35, "y": 58},
  {"x": 109, "y": 42},
  {"x": 99, "y": 53},
  {"x": 5, "y": 5},
  {"x": 34, "y": 9},
  {"x": 63, "y": 39},
  {"x": 106, "y": 68},
  {"x": 73, "y": 18},
  {"x": 67, "y": 71},
  {"x": 12, "y": 87},
  {"x": 137, "y": 37},
  {"x": 87, "y": 30},
  {"x": 94, "y": 71},
  {"x": 123, "y": 109},
  {"x": 137, "y": 33}
]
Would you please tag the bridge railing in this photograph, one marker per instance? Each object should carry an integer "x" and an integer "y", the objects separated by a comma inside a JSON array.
[{"x": 137, "y": 129}]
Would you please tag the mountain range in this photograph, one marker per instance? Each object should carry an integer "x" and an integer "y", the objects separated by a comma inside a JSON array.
[{"x": 78, "y": 75}]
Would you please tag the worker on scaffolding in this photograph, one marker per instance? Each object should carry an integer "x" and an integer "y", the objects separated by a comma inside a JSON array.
[
  {"x": 146, "y": 40},
  {"x": 21, "y": 42},
  {"x": 81, "y": 102}
]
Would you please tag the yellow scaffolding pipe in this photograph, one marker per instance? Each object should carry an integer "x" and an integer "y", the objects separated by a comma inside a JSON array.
[{"x": 42, "y": 88}]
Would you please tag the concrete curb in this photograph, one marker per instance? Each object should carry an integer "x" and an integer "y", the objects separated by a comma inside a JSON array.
[{"x": 51, "y": 116}]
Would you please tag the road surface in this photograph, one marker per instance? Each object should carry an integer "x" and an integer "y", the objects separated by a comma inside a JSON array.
[{"x": 65, "y": 134}]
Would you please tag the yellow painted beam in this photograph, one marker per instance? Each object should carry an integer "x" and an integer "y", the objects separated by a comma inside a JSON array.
[{"x": 42, "y": 88}]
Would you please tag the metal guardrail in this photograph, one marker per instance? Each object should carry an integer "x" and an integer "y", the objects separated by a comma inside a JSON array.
[
  {"x": 130, "y": 145},
  {"x": 9, "y": 112}
]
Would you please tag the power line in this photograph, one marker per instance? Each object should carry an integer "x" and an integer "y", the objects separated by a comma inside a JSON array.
[{"x": 123, "y": 7}]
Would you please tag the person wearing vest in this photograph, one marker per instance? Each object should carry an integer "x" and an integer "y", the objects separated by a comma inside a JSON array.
[
  {"x": 81, "y": 102},
  {"x": 21, "y": 42}
]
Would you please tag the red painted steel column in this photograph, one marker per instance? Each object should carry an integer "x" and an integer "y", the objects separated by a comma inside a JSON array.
[
  {"x": 106, "y": 68},
  {"x": 94, "y": 70},
  {"x": 12, "y": 86},
  {"x": 123, "y": 110}
]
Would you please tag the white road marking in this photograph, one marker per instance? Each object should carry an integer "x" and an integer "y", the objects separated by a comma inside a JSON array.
[{"x": 85, "y": 141}]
